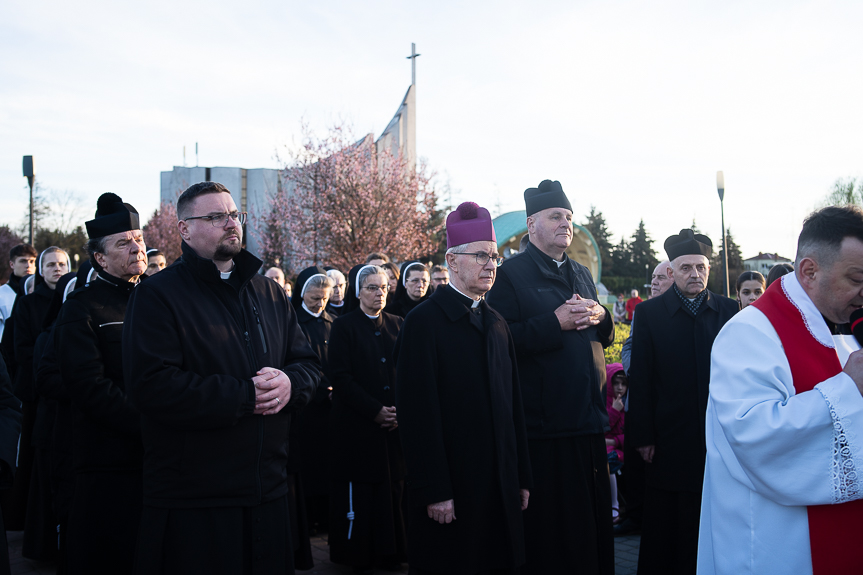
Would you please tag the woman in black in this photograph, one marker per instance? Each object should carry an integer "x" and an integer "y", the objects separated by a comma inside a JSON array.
[
  {"x": 310, "y": 300},
  {"x": 367, "y": 467},
  {"x": 412, "y": 289}
]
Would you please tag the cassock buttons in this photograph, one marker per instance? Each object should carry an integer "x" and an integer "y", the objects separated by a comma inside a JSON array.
[
  {"x": 377, "y": 333},
  {"x": 386, "y": 388},
  {"x": 383, "y": 360},
  {"x": 320, "y": 320}
]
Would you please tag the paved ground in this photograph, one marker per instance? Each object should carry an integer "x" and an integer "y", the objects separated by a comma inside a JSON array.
[{"x": 625, "y": 558}]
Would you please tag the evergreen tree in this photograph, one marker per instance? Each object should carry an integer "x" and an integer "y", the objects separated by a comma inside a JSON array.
[
  {"x": 621, "y": 260},
  {"x": 596, "y": 225},
  {"x": 641, "y": 252},
  {"x": 735, "y": 266}
]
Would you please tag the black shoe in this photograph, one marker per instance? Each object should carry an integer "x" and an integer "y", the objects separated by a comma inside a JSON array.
[{"x": 627, "y": 527}]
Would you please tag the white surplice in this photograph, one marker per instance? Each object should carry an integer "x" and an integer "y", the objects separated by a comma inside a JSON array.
[{"x": 770, "y": 451}]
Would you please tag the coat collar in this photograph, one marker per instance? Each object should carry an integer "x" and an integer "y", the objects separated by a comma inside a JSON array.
[
  {"x": 116, "y": 283},
  {"x": 304, "y": 316},
  {"x": 542, "y": 262},
  {"x": 453, "y": 305},
  {"x": 245, "y": 264},
  {"x": 673, "y": 303}
]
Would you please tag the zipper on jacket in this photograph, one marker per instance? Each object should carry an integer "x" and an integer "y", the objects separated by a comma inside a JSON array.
[
  {"x": 260, "y": 329},
  {"x": 260, "y": 419}
]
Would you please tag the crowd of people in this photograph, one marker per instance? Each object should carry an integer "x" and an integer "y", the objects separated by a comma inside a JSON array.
[{"x": 209, "y": 416}]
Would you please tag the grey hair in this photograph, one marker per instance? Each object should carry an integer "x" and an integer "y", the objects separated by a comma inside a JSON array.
[
  {"x": 317, "y": 281},
  {"x": 365, "y": 272},
  {"x": 96, "y": 246},
  {"x": 457, "y": 249},
  {"x": 337, "y": 275}
]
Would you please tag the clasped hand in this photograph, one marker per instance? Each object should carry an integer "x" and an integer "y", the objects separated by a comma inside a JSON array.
[
  {"x": 579, "y": 313},
  {"x": 272, "y": 391}
]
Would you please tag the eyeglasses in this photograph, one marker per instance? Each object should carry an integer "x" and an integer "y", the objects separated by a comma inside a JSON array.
[
  {"x": 375, "y": 289},
  {"x": 483, "y": 258},
  {"x": 418, "y": 280},
  {"x": 218, "y": 220}
]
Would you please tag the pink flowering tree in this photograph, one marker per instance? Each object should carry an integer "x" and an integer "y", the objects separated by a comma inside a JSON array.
[
  {"x": 161, "y": 231},
  {"x": 341, "y": 199}
]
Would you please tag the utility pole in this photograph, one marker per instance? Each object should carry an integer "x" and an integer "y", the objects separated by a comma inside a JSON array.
[
  {"x": 413, "y": 59},
  {"x": 30, "y": 174}
]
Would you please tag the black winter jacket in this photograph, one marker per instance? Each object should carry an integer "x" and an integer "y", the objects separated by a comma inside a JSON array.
[
  {"x": 191, "y": 345},
  {"x": 87, "y": 337},
  {"x": 562, "y": 373}
]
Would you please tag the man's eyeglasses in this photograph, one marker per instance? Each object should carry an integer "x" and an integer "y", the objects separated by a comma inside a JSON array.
[
  {"x": 483, "y": 258},
  {"x": 375, "y": 289},
  {"x": 218, "y": 220}
]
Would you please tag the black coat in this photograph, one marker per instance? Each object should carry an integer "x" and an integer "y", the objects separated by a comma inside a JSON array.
[
  {"x": 191, "y": 345},
  {"x": 10, "y": 428},
  {"x": 88, "y": 339},
  {"x": 29, "y": 316},
  {"x": 462, "y": 429},
  {"x": 363, "y": 373},
  {"x": 313, "y": 424},
  {"x": 668, "y": 385},
  {"x": 562, "y": 373}
]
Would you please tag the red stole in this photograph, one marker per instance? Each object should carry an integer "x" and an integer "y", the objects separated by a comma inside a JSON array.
[{"x": 835, "y": 531}]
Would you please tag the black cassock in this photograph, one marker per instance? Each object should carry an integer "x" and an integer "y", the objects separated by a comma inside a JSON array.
[
  {"x": 107, "y": 450},
  {"x": 462, "y": 428},
  {"x": 313, "y": 422},
  {"x": 668, "y": 382},
  {"x": 367, "y": 467}
]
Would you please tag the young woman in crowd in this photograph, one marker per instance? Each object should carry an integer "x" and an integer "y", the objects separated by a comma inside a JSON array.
[{"x": 750, "y": 287}]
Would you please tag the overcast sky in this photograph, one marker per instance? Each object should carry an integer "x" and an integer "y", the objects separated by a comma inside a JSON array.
[{"x": 632, "y": 105}]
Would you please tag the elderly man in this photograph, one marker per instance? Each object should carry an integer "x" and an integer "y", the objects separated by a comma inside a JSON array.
[
  {"x": 669, "y": 379},
  {"x": 107, "y": 452},
  {"x": 785, "y": 417},
  {"x": 559, "y": 331},
  {"x": 215, "y": 374},
  {"x": 439, "y": 277},
  {"x": 633, "y": 487},
  {"x": 660, "y": 281},
  {"x": 461, "y": 422}
]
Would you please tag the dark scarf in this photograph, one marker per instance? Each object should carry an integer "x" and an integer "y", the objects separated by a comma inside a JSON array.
[{"x": 694, "y": 305}]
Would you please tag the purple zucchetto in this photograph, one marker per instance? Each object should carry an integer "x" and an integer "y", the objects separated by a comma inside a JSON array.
[{"x": 469, "y": 223}]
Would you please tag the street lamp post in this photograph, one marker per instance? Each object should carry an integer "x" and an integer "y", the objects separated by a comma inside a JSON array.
[
  {"x": 720, "y": 187},
  {"x": 30, "y": 174}
]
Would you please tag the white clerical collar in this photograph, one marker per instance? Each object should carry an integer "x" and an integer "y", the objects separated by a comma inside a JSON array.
[
  {"x": 310, "y": 312},
  {"x": 559, "y": 263},
  {"x": 811, "y": 316},
  {"x": 227, "y": 275},
  {"x": 475, "y": 301},
  {"x": 340, "y": 304},
  {"x": 374, "y": 317}
]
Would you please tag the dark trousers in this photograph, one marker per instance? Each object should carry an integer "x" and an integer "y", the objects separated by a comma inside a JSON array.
[
  {"x": 633, "y": 480},
  {"x": 567, "y": 524},
  {"x": 669, "y": 532}
]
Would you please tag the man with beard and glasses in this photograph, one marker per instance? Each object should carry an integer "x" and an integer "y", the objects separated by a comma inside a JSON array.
[{"x": 215, "y": 363}]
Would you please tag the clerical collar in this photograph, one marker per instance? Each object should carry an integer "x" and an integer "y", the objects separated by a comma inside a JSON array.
[
  {"x": 372, "y": 317},
  {"x": 340, "y": 304},
  {"x": 227, "y": 275},
  {"x": 474, "y": 302},
  {"x": 310, "y": 312},
  {"x": 694, "y": 304}
]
